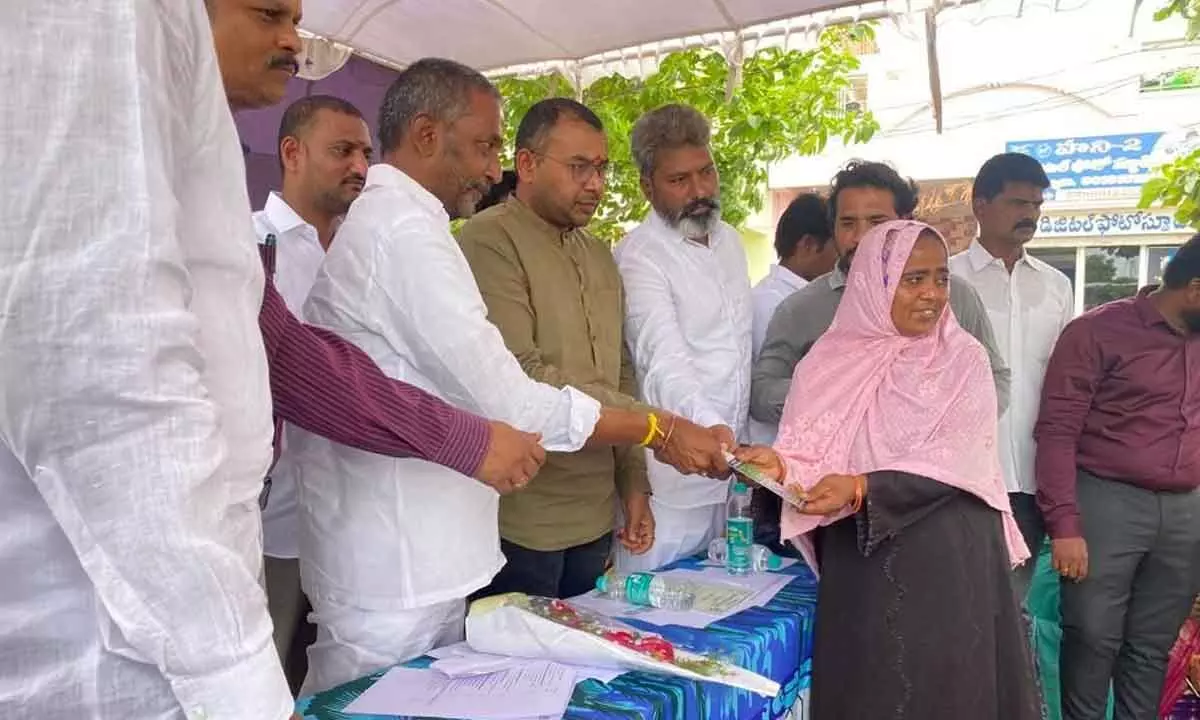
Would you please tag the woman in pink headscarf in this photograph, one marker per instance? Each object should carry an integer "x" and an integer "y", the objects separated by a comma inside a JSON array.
[{"x": 890, "y": 432}]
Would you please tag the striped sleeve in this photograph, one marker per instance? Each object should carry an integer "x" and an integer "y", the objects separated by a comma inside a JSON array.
[{"x": 327, "y": 386}]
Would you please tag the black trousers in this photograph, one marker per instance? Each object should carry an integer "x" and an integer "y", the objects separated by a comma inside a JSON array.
[
  {"x": 556, "y": 573},
  {"x": 1120, "y": 622}
]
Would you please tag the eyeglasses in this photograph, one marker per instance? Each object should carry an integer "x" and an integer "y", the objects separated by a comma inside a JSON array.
[{"x": 581, "y": 170}]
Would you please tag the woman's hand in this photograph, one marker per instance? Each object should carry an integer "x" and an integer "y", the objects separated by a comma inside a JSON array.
[
  {"x": 761, "y": 458},
  {"x": 832, "y": 494}
]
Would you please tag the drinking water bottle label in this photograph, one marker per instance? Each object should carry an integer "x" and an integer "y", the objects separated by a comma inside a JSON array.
[
  {"x": 740, "y": 531},
  {"x": 637, "y": 588},
  {"x": 739, "y": 537}
]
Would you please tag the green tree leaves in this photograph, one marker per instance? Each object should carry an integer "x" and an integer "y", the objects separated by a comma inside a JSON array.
[
  {"x": 786, "y": 102},
  {"x": 1187, "y": 9},
  {"x": 1177, "y": 184}
]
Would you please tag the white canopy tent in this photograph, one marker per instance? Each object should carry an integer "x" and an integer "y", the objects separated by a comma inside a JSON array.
[{"x": 494, "y": 34}]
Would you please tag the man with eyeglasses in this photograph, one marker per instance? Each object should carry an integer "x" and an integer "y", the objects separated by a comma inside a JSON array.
[{"x": 555, "y": 293}]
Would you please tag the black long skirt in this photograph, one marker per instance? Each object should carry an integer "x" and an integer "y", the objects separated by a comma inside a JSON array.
[{"x": 916, "y": 614}]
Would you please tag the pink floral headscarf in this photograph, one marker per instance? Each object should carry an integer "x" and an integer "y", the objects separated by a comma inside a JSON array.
[{"x": 866, "y": 398}]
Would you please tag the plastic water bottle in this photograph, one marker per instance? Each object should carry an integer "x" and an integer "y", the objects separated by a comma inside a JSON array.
[
  {"x": 764, "y": 559},
  {"x": 647, "y": 589},
  {"x": 739, "y": 532}
]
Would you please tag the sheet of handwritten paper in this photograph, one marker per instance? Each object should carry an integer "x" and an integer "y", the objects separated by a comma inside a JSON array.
[{"x": 529, "y": 691}]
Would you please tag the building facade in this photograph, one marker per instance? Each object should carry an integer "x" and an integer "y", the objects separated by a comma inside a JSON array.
[{"x": 1097, "y": 91}]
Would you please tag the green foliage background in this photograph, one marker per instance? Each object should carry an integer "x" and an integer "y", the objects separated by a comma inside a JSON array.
[
  {"x": 786, "y": 102},
  {"x": 1177, "y": 184}
]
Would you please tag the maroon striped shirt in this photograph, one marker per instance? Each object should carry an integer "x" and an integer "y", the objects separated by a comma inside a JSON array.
[{"x": 328, "y": 386}]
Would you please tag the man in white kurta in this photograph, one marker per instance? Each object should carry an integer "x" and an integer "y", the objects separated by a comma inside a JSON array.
[
  {"x": 688, "y": 320},
  {"x": 1028, "y": 302},
  {"x": 390, "y": 548},
  {"x": 135, "y": 426}
]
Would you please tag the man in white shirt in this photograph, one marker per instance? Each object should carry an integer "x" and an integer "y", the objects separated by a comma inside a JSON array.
[
  {"x": 136, "y": 423},
  {"x": 688, "y": 319},
  {"x": 390, "y": 548},
  {"x": 324, "y": 150},
  {"x": 1028, "y": 302},
  {"x": 804, "y": 245}
]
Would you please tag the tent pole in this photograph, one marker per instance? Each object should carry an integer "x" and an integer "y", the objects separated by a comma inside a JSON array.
[
  {"x": 935, "y": 74},
  {"x": 735, "y": 54}
]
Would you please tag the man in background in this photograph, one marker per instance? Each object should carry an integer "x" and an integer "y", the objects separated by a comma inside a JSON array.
[
  {"x": 804, "y": 246},
  {"x": 687, "y": 320},
  {"x": 324, "y": 149},
  {"x": 1028, "y": 302},
  {"x": 500, "y": 192},
  {"x": 555, "y": 293},
  {"x": 1118, "y": 482}
]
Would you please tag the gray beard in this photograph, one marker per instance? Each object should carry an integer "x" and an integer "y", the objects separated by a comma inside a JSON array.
[{"x": 694, "y": 227}]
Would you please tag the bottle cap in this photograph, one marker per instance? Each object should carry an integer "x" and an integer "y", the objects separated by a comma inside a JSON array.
[
  {"x": 774, "y": 562},
  {"x": 739, "y": 488},
  {"x": 602, "y": 583}
]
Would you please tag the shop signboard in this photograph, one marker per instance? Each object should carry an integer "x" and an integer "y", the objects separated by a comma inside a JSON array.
[
  {"x": 1117, "y": 165},
  {"x": 1110, "y": 224}
]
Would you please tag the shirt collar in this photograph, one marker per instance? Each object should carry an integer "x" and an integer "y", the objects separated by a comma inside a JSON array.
[
  {"x": 979, "y": 258},
  {"x": 528, "y": 214},
  {"x": 836, "y": 278},
  {"x": 387, "y": 175},
  {"x": 1147, "y": 312},
  {"x": 787, "y": 277},
  {"x": 282, "y": 217}
]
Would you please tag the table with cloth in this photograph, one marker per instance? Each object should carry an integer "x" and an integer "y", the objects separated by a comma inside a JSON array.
[{"x": 774, "y": 640}]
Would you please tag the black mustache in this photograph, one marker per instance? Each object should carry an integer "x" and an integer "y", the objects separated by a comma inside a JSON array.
[
  {"x": 1025, "y": 224},
  {"x": 285, "y": 62},
  {"x": 694, "y": 206}
]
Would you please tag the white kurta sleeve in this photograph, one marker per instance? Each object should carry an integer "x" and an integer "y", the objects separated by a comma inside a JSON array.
[
  {"x": 421, "y": 295},
  {"x": 666, "y": 373},
  {"x": 101, "y": 398}
]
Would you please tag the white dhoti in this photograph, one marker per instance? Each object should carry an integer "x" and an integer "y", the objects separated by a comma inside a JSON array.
[
  {"x": 353, "y": 642},
  {"x": 678, "y": 533}
]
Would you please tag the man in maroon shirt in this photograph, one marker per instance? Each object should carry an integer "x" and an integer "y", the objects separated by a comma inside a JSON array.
[
  {"x": 1118, "y": 472},
  {"x": 320, "y": 382}
]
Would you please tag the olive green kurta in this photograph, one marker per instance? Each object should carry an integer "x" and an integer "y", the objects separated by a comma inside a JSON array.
[{"x": 557, "y": 299}]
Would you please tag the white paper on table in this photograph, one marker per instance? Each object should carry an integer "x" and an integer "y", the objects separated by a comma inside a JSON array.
[
  {"x": 459, "y": 660},
  {"x": 531, "y": 691},
  {"x": 754, "y": 589}
]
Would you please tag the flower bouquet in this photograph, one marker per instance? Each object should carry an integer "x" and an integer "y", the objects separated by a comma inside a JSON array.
[{"x": 545, "y": 629}]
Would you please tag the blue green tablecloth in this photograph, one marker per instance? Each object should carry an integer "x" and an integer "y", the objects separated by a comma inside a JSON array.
[{"x": 774, "y": 640}]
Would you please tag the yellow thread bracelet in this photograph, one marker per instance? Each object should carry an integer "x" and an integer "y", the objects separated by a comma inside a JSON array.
[{"x": 652, "y": 421}]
